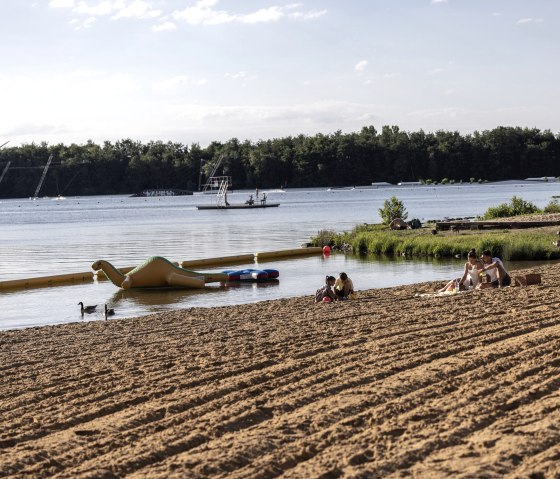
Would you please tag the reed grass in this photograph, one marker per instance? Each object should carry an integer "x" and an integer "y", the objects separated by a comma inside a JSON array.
[{"x": 534, "y": 244}]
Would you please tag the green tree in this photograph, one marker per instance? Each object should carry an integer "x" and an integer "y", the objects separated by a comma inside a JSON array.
[{"x": 392, "y": 208}]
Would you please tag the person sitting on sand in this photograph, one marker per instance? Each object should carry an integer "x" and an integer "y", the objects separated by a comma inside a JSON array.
[
  {"x": 250, "y": 201},
  {"x": 343, "y": 286},
  {"x": 471, "y": 275},
  {"x": 495, "y": 269},
  {"x": 325, "y": 293}
]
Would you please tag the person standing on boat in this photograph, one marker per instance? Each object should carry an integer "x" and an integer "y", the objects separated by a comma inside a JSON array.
[{"x": 263, "y": 199}]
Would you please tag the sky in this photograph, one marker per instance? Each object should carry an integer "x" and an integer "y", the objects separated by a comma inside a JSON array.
[{"x": 197, "y": 71}]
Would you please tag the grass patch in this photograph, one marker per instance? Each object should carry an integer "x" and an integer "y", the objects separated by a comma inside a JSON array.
[{"x": 523, "y": 244}]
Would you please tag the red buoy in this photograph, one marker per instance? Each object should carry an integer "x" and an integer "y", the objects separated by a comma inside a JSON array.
[{"x": 326, "y": 249}]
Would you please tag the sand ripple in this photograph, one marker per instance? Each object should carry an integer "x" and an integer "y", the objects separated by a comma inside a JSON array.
[{"x": 389, "y": 385}]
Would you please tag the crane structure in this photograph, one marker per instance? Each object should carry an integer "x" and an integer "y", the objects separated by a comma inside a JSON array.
[{"x": 43, "y": 177}]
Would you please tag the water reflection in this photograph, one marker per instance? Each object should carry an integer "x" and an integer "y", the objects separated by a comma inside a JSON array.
[{"x": 51, "y": 237}]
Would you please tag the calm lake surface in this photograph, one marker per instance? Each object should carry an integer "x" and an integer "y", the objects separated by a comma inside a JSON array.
[{"x": 58, "y": 236}]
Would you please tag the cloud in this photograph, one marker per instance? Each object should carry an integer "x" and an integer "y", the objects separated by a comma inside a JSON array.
[
  {"x": 61, "y": 3},
  {"x": 82, "y": 24},
  {"x": 137, "y": 9},
  {"x": 116, "y": 9},
  {"x": 524, "y": 21},
  {"x": 178, "y": 82},
  {"x": 102, "y": 8},
  {"x": 34, "y": 129},
  {"x": 435, "y": 2},
  {"x": 436, "y": 113},
  {"x": 236, "y": 75},
  {"x": 320, "y": 113},
  {"x": 164, "y": 27},
  {"x": 361, "y": 65},
  {"x": 435, "y": 71},
  {"x": 203, "y": 13}
]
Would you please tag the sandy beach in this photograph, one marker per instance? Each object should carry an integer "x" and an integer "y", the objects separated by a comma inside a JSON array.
[{"x": 390, "y": 385}]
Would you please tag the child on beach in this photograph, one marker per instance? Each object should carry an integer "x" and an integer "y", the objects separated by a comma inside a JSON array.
[
  {"x": 326, "y": 293},
  {"x": 343, "y": 287}
]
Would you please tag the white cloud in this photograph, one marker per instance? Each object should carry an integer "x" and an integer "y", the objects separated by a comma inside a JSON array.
[
  {"x": 236, "y": 75},
  {"x": 203, "y": 13},
  {"x": 361, "y": 65},
  {"x": 61, "y": 3},
  {"x": 523, "y": 21},
  {"x": 435, "y": 71},
  {"x": 102, "y": 8},
  {"x": 434, "y": 2},
  {"x": 82, "y": 24},
  {"x": 117, "y": 9},
  {"x": 271, "y": 14},
  {"x": 29, "y": 128},
  {"x": 137, "y": 9},
  {"x": 164, "y": 27},
  {"x": 448, "y": 112},
  {"x": 311, "y": 15},
  {"x": 320, "y": 113},
  {"x": 41, "y": 105},
  {"x": 178, "y": 82}
]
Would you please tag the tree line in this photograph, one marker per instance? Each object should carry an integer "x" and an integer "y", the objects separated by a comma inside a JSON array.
[{"x": 338, "y": 159}]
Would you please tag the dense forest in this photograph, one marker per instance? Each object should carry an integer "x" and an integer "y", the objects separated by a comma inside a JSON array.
[{"x": 338, "y": 159}]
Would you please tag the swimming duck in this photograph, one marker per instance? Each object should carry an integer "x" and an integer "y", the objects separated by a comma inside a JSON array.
[
  {"x": 87, "y": 309},
  {"x": 109, "y": 311}
]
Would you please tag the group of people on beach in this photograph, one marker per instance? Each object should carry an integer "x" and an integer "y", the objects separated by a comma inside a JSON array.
[
  {"x": 485, "y": 272},
  {"x": 335, "y": 289}
]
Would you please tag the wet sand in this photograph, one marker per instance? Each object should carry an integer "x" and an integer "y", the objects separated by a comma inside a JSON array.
[{"x": 389, "y": 385}]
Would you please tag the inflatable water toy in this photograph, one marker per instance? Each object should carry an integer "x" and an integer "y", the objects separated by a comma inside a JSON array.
[
  {"x": 157, "y": 272},
  {"x": 251, "y": 274}
]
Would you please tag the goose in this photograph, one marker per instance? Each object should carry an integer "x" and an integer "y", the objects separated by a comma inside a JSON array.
[
  {"x": 109, "y": 312},
  {"x": 87, "y": 309}
]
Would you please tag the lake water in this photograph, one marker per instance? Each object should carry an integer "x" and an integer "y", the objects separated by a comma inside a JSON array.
[{"x": 58, "y": 236}]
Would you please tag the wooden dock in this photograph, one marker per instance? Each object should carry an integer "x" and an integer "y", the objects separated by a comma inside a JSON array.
[{"x": 491, "y": 225}]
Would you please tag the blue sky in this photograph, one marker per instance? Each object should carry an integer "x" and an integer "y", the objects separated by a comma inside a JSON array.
[{"x": 195, "y": 71}]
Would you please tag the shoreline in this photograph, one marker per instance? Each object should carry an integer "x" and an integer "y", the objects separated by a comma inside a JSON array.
[{"x": 386, "y": 385}]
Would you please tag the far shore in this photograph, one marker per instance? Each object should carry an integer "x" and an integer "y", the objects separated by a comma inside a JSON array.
[{"x": 390, "y": 384}]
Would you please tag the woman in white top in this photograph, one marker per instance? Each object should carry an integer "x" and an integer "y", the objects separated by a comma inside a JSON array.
[{"x": 470, "y": 277}]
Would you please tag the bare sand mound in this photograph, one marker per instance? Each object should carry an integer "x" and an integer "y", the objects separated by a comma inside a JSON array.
[{"x": 389, "y": 385}]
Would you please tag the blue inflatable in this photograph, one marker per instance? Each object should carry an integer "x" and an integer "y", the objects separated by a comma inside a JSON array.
[{"x": 251, "y": 274}]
